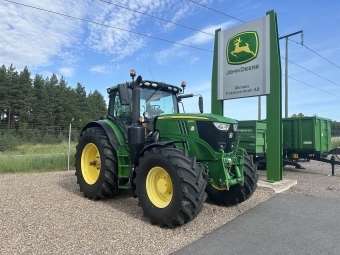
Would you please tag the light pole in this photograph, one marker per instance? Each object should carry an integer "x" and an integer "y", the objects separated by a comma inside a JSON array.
[{"x": 286, "y": 68}]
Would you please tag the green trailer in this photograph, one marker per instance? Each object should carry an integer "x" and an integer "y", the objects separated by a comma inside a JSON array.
[
  {"x": 253, "y": 139},
  {"x": 307, "y": 137}
]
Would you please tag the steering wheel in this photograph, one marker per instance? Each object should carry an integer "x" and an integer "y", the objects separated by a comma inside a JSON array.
[{"x": 155, "y": 107}]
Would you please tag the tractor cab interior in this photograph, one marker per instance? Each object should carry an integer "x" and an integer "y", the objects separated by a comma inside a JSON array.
[{"x": 153, "y": 102}]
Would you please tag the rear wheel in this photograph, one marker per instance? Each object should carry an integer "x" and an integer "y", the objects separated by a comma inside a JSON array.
[
  {"x": 236, "y": 193},
  {"x": 170, "y": 186},
  {"x": 96, "y": 165}
]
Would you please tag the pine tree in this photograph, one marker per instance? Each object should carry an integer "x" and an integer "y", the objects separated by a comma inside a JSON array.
[
  {"x": 22, "y": 98},
  {"x": 3, "y": 95}
]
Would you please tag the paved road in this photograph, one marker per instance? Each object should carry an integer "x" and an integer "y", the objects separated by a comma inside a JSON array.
[{"x": 284, "y": 224}]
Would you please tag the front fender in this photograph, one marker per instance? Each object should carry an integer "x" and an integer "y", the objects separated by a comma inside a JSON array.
[{"x": 113, "y": 137}]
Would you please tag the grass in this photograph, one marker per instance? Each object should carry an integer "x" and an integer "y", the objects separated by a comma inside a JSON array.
[
  {"x": 335, "y": 142},
  {"x": 28, "y": 149},
  {"x": 34, "y": 164},
  {"x": 29, "y": 158}
]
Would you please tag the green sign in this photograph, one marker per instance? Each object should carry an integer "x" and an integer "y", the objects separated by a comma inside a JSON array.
[{"x": 242, "y": 48}]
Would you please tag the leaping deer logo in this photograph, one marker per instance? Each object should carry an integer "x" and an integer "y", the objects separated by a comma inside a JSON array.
[{"x": 239, "y": 49}]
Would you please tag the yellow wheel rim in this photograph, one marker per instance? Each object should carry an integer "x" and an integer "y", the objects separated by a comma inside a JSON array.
[
  {"x": 159, "y": 187},
  {"x": 218, "y": 188},
  {"x": 90, "y": 163}
]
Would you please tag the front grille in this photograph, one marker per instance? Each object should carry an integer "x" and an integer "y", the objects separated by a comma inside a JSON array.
[
  {"x": 216, "y": 138},
  {"x": 183, "y": 127}
]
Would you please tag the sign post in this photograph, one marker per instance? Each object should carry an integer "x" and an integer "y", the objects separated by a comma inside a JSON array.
[{"x": 247, "y": 63}]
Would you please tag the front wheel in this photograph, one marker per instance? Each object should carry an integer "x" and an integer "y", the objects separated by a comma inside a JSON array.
[
  {"x": 236, "y": 193},
  {"x": 170, "y": 186}
]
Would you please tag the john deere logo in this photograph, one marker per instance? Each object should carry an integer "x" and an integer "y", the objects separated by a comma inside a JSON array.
[{"x": 242, "y": 48}]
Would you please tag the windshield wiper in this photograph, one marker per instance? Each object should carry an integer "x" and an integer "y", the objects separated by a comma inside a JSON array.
[{"x": 152, "y": 94}]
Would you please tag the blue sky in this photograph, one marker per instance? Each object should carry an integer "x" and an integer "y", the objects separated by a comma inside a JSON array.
[{"x": 99, "y": 57}]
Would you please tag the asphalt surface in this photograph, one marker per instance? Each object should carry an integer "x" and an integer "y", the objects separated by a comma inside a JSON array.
[{"x": 284, "y": 224}]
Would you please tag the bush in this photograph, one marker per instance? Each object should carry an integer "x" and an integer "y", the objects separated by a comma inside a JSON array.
[{"x": 335, "y": 142}]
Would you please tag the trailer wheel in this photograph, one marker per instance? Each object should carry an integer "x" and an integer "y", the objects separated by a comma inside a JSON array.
[
  {"x": 261, "y": 165},
  {"x": 170, "y": 186},
  {"x": 236, "y": 193},
  {"x": 96, "y": 165}
]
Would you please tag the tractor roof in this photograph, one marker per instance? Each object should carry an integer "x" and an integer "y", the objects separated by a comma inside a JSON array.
[{"x": 147, "y": 84}]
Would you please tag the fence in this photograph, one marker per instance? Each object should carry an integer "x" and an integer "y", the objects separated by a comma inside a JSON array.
[{"x": 32, "y": 150}]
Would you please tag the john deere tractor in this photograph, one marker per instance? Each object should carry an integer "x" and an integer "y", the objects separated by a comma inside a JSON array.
[{"x": 170, "y": 160}]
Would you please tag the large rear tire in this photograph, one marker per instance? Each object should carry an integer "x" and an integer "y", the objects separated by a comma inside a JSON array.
[
  {"x": 96, "y": 165},
  {"x": 236, "y": 193},
  {"x": 170, "y": 186}
]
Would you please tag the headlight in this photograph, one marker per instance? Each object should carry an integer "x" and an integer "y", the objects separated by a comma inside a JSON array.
[
  {"x": 235, "y": 127},
  {"x": 222, "y": 126}
]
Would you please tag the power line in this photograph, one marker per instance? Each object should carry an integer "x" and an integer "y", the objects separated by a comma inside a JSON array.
[
  {"x": 312, "y": 86},
  {"x": 177, "y": 24},
  {"x": 101, "y": 24},
  {"x": 316, "y": 53},
  {"x": 217, "y": 11},
  {"x": 313, "y": 72}
]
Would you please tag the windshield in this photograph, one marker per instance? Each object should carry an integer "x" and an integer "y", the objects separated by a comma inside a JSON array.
[{"x": 155, "y": 102}]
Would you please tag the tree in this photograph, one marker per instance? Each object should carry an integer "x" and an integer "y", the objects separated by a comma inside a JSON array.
[
  {"x": 96, "y": 106},
  {"x": 3, "y": 94},
  {"x": 12, "y": 88},
  {"x": 22, "y": 100},
  {"x": 40, "y": 111}
]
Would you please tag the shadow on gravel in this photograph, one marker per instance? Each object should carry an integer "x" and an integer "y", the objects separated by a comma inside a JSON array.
[{"x": 325, "y": 170}]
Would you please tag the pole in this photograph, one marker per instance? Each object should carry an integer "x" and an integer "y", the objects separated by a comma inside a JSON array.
[
  {"x": 286, "y": 80},
  {"x": 286, "y": 67},
  {"x": 259, "y": 107},
  {"x": 69, "y": 148}
]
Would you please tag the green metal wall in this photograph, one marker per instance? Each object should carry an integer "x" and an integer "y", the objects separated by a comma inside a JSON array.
[
  {"x": 253, "y": 136},
  {"x": 308, "y": 134}
]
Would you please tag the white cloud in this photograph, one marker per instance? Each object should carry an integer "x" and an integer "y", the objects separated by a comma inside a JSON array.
[
  {"x": 198, "y": 38},
  {"x": 99, "y": 69},
  {"x": 67, "y": 71},
  {"x": 32, "y": 37}
]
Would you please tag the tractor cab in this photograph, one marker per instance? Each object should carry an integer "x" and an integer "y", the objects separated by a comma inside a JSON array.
[{"x": 156, "y": 98}]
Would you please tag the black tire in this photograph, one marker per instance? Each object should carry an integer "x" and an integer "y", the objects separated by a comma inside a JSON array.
[
  {"x": 237, "y": 193},
  {"x": 103, "y": 182},
  {"x": 187, "y": 186},
  {"x": 261, "y": 165}
]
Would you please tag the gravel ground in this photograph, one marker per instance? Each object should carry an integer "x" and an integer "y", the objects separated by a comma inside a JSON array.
[
  {"x": 316, "y": 180},
  {"x": 46, "y": 214}
]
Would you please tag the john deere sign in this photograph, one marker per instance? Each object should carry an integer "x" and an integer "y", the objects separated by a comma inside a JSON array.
[
  {"x": 244, "y": 60},
  {"x": 242, "y": 48}
]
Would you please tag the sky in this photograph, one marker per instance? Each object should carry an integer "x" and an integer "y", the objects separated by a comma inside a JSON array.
[{"x": 95, "y": 49}]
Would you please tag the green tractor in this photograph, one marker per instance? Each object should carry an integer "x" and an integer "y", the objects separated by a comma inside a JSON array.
[{"x": 170, "y": 160}]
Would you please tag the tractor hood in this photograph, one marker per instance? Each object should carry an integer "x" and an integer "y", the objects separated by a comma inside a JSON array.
[{"x": 197, "y": 116}]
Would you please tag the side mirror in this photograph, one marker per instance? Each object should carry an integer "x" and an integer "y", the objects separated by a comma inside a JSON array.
[
  {"x": 200, "y": 104},
  {"x": 179, "y": 98},
  {"x": 124, "y": 94}
]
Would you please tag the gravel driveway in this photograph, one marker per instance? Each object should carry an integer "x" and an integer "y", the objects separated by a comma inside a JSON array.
[{"x": 46, "y": 214}]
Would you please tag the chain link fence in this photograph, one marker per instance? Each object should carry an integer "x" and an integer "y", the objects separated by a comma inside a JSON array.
[{"x": 34, "y": 150}]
